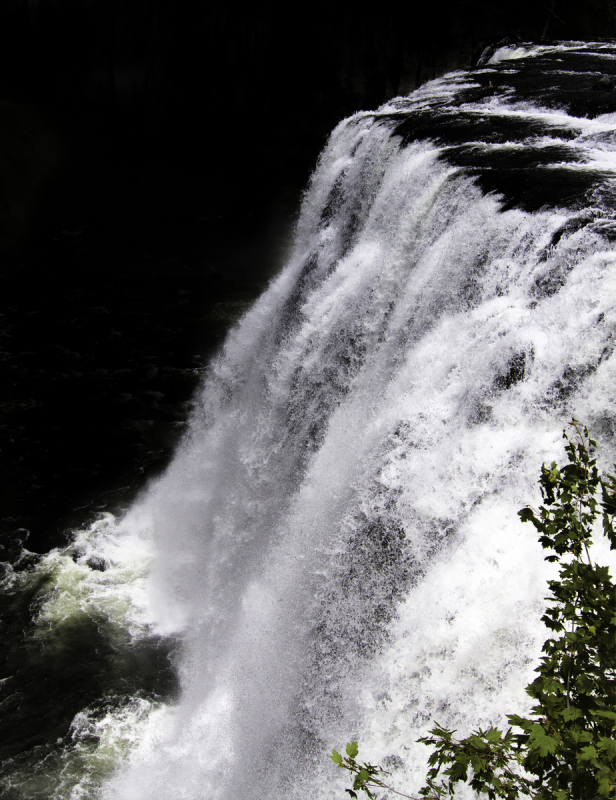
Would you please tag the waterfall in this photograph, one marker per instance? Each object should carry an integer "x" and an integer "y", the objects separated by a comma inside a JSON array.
[
  {"x": 336, "y": 543},
  {"x": 337, "y": 537}
]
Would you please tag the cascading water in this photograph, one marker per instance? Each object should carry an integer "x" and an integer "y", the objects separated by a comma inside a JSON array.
[{"x": 336, "y": 544}]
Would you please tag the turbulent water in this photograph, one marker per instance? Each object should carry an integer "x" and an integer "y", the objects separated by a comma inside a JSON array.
[{"x": 335, "y": 552}]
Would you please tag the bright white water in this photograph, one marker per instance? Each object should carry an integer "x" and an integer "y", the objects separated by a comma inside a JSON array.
[{"x": 337, "y": 542}]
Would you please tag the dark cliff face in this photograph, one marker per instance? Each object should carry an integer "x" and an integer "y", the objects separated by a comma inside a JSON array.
[
  {"x": 238, "y": 94},
  {"x": 152, "y": 157}
]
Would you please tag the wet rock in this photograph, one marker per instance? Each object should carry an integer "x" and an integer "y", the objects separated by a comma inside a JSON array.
[{"x": 603, "y": 84}]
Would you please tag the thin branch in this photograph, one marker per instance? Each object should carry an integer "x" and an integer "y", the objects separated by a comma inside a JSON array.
[{"x": 401, "y": 794}]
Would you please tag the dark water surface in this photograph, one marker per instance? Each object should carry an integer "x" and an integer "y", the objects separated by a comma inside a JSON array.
[{"x": 104, "y": 337}]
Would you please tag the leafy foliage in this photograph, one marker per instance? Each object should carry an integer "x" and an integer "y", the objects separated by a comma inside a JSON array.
[
  {"x": 366, "y": 775},
  {"x": 567, "y": 747}
]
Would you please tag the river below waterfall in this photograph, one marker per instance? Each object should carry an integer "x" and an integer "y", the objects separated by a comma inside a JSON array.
[{"x": 334, "y": 552}]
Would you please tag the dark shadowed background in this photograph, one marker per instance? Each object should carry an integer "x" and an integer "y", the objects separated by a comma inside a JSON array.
[{"x": 152, "y": 158}]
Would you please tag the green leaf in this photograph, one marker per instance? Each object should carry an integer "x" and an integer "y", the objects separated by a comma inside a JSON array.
[
  {"x": 539, "y": 740},
  {"x": 605, "y": 787},
  {"x": 478, "y": 764},
  {"x": 588, "y": 753},
  {"x": 336, "y": 757},
  {"x": 352, "y": 749},
  {"x": 458, "y": 771},
  {"x": 477, "y": 742},
  {"x": 608, "y": 746},
  {"x": 362, "y": 777}
]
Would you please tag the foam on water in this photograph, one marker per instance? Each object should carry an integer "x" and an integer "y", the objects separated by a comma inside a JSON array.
[
  {"x": 90, "y": 594},
  {"x": 103, "y": 571},
  {"x": 99, "y": 739}
]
